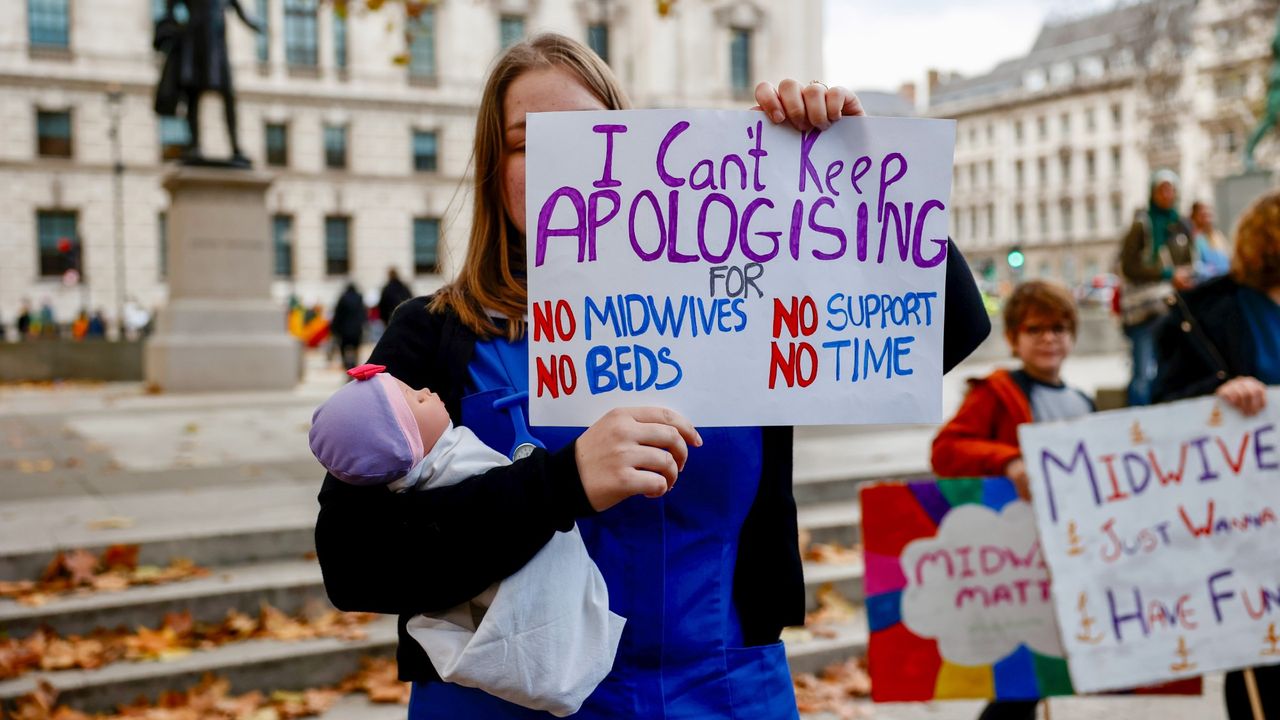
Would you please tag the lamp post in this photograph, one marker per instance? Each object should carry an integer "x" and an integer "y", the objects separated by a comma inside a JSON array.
[{"x": 115, "y": 97}]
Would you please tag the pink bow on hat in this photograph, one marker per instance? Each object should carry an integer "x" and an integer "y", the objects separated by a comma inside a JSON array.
[{"x": 366, "y": 371}]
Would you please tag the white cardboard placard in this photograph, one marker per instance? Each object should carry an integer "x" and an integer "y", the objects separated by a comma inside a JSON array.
[
  {"x": 666, "y": 247},
  {"x": 1160, "y": 528}
]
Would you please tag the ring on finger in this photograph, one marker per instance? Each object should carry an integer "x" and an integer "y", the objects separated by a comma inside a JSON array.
[{"x": 819, "y": 82}]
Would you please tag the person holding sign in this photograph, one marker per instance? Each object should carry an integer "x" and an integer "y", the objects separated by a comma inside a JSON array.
[
  {"x": 1226, "y": 340},
  {"x": 982, "y": 439},
  {"x": 706, "y": 572}
]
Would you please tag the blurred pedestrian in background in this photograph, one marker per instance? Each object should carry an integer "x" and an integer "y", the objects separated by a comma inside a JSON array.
[
  {"x": 97, "y": 325},
  {"x": 393, "y": 293},
  {"x": 1225, "y": 340},
  {"x": 1156, "y": 259},
  {"x": 348, "y": 324},
  {"x": 80, "y": 326},
  {"x": 1213, "y": 255},
  {"x": 24, "y": 320}
]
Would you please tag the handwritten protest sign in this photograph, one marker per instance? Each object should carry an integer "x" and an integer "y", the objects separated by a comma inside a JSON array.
[
  {"x": 1160, "y": 527},
  {"x": 736, "y": 271},
  {"x": 958, "y": 595}
]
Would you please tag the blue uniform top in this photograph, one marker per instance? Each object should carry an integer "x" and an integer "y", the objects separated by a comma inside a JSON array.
[{"x": 668, "y": 564}]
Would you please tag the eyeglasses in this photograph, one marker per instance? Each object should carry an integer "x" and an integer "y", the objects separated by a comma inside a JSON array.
[{"x": 1038, "y": 330}]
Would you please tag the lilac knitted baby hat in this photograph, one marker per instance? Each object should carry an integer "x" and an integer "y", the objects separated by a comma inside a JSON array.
[{"x": 366, "y": 433}]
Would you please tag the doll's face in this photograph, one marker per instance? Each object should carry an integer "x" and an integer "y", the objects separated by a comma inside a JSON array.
[{"x": 428, "y": 409}]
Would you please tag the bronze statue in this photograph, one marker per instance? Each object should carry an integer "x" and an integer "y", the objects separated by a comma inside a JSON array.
[
  {"x": 1268, "y": 120},
  {"x": 195, "y": 61}
]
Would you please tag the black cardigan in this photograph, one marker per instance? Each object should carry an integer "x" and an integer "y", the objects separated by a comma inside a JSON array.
[
  {"x": 1205, "y": 343},
  {"x": 410, "y": 553}
]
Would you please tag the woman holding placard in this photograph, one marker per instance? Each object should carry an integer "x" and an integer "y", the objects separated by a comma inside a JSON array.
[
  {"x": 1226, "y": 340},
  {"x": 707, "y": 575}
]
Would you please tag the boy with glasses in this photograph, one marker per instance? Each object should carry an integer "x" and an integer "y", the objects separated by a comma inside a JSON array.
[{"x": 982, "y": 439}]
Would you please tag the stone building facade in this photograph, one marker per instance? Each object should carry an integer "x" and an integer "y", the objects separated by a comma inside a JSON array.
[
  {"x": 1054, "y": 149},
  {"x": 365, "y": 119}
]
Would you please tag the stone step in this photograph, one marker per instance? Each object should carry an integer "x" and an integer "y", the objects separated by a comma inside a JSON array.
[
  {"x": 286, "y": 585},
  {"x": 829, "y": 465},
  {"x": 837, "y": 522},
  {"x": 846, "y": 577},
  {"x": 358, "y": 707},
  {"x": 251, "y": 665},
  {"x": 213, "y": 526},
  {"x": 812, "y": 655}
]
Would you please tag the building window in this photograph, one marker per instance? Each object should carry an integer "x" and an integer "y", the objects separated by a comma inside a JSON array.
[
  {"x": 335, "y": 147},
  {"x": 422, "y": 45},
  {"x": 1065, "y": 123},
  {"x": 1042, "y": 128},
  {"x": 510, "y": 30},
  {"x": 426, "y": 147},
  {"x": 1090, "y": 215},
  {"x": 58, "y": 242},
  {"x": 1117, "y": 213},
  {"x": 1017, "y": 130},
  {"x": 1065, "y": 211},
  {"x": 1064, "y": 161},
  {"x": 337, "y": 245},
  {"x": 991, "y": 221},
  {"x": 740, "y": 61},
  {"x": 426, "y": 245},
  {"x": 1090, "y": 120},
  {"x": 48, "y": 23},
  {"x": 1020, "y": 220},
  {"x": 1116, "y": 166},
  {"x": 340, "y": 39},
  {"x": 282, "y": 242},
  {"x": 53, "y": 133},
  {"x": 973, "y": 175},
  {"x": 263, "y": 38},
  {"x": 991, "y": 173},
  {"x": 175, "y": 135},
  {"x": 1018, "y": 178},
  {"x": 1042, "y": 172},
  {"x": 1117, "y": 116},
  {"x": 1042, "y": 219},
  {"x": 300, "y": 33},
  {"x": 162, "y": 244},
  {"x": 598, "y": 39},
  {"x": 277, "y": 144}
]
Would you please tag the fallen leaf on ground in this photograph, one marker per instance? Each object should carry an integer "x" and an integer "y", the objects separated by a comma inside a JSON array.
[
  {"x": 115, "y": 522},
  {"x": 120, "y": 556},
  {"x": 837, "y": 689}
]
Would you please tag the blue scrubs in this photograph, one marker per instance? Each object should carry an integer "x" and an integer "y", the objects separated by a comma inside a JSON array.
[{"x": 669, "y": 565}]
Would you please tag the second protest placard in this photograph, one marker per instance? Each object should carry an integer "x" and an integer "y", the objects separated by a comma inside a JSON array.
[
  {"x": 739, "y": 272},
  {"x": 1160, "y": 527}
]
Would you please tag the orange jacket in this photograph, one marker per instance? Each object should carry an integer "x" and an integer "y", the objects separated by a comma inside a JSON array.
[{"x": 983, "y": 436}]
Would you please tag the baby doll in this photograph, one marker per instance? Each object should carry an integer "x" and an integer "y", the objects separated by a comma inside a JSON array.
[{"x": 542, "y": 638}]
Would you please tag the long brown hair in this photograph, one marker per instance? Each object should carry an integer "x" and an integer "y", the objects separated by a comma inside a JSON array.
[{"x": 495, "y": 254}]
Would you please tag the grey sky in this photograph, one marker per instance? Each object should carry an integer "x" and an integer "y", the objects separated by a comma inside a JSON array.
[{"x": 880, "y": 44}]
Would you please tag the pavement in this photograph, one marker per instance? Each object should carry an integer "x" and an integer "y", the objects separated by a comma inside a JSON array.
[{"x": 94, "y": 464}]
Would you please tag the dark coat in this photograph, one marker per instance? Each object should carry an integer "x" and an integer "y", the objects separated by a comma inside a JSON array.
[
  {"x": 349, "y": 317},
  {"x": 1205, "y": 343},
  {"x": 196, "y": 57},
  {"x": 393, "y": 293}
]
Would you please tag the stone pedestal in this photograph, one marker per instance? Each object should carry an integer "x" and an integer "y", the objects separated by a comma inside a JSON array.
[
  {"x": 1233, "y": 194},
  {"x": 221, "y": 330}
]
